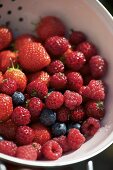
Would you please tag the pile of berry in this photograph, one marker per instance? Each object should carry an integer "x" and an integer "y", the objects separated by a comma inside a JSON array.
[{"x": 51, "y": 95}]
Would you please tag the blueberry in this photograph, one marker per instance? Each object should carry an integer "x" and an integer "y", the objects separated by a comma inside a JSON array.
[
  {"x": 74, "y": 125},
  {"x": 1, "y": 138},
  {"x": 18, "y": 98},
  {"x": 48, "y": 117},
  {"x": 59, "y": 129}
]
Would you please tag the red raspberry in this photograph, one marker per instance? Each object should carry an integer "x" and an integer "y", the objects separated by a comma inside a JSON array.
[
  {"x": 90, "y": 126},
  {"x": 58, "y": 81},
  {"x": 62, "y": 140},
  {"x": 42, "y": 134},
  {"x": 54, "y": 100},
  {"x": 38, "y": 89},
  {"x": 8, "y": 86},
  {"x": 95, "y": 109},
  {"x": 77, "y": 114},
  {"x": 1, "y": 77},
  {"x": 50, "y": 26},
  {"x": 63, "y": 114},
  {"x": 21, "y": 116},
  {"x": 74, "y": 81},
  {"x": 87, "y": 48},
  {"x": 35, "y": 107},
  {"x": 55, "y": 67},
  {"x": 77, "y": 37},
  {"x": 8, "y": 147},
  {"x": 52, "y": 150},
  {"x": 74, "y": 60},
  {"x": 98, "y": 66},
  {"x": 75, "y": 139},
  {"x": 56, "y": 45},
  {"x": 24, "y": 135},
  {"x": 72, "y": 99},
  {"x": 8, "y": 129}
]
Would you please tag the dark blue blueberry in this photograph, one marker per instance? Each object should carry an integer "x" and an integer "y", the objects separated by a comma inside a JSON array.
[
  {"x": 48, "y": 117},
  {"x": 74, "y": 125},
  {"x": 50, "y": 90},
  {"x": 18, "y": 98},
  {"x": 1, "y": 138},
  {"x": 59, "y": 129}
]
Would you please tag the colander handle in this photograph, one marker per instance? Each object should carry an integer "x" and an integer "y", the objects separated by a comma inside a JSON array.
[{"x": 90, "y": 165}]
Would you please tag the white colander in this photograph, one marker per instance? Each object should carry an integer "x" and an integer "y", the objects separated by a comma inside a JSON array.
[{"x": 88, "y": 16}]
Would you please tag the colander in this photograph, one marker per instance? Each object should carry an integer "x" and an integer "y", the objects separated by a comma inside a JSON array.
[{"x": 88, "y": 16}]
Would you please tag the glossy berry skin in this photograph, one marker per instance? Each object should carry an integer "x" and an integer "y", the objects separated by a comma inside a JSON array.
[
  {"x": 21, "y": 116},
  {"x": 59, "y": 129},
  {"x": 63, "y": 114},
  {"x": 54, "y": 100},
  {"x": 52, "y": 150},
  {"x": 74, "y": 125},
  {"x": 50, "y": 26},
  {"x": 77, "y": 114},
  {"x": 18, "y": 98},
  {"x": 1, "y": 138},
  {"x": 47, "y": 117},
  {"x": 74, "y": 60},
  {"x": 77, "y": 37},
  {"x": 58, "y": 81},
  {"x": 5, "y": 37},
  {"x": 90, "y": 126}
]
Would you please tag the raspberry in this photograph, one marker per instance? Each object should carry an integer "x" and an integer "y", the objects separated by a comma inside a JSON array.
[
  {"x": 24, "y": 135},
  {"x": 77, "y": 114},
  {"x": 1, "y": 77},
  {"x": 8, "y": 147},
  {"x": 52, "y": 150},
  {"x": 98, "y": 66},
  {"x": 21, "y": 116},
  {"x": 90, "y": 126},
  {"x": 63, "y": 114},
  {"x": 74, "y": 81},
  {"x": 37, "y": 89},
  {"x": 75, "y": 139},
  {"x": 35, "y": 107},
  {"x": 77, "y": 37},
  {"x": 74, "y": 60},
  {"x": 62, "y": 141},
  {"x": 55, "y": 67},
  {"x": 58, "y": 81},
  {"x": 54, "y": 100},
  {"x": 87, "y": 48},
  {"x": 59, "y": 129},
  {"x": 56, "y": 45},
  {"x": 95, "y": 109},
  {"x": 72, "y": 99},
  {"x": 42, "y": 134}
]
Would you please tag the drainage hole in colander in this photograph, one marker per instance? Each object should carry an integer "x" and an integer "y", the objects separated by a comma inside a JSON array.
[
  {"x": 21, "y": 19},
  {"x": 7, "y": 23},
  {"x": 20, "y": 8},
  {"x": 9, "y": 12},
  {"x": 1, "y": 5},
  {"x": 0, "y": 16},
  {"x": 13, "y": 0}
]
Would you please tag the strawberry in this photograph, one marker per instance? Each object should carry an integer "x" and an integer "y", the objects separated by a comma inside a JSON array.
[
  {"x": 6, "y": 107},
  {"x": 18, "y": 76},
  {"x": 33, "y": 57},
  {"x": 5, "y": 37},
  {"x": 77, "y": 37},
  {"x": 50, "y": 26}
]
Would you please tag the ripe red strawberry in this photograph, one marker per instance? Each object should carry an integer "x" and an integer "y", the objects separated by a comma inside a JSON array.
[
  {"x": 75, "y": 139},
  {"x": 8, "y": 148},
  {"x": 8, "y": 86},
  {"x": 6, "y": 59},
  {"x": 50, "y": 26},
  {"x": 54, "y": 100},
  {"x": 18, "y": 76},
  {"x": 77, "y": 37},
  {"x": 63, "y": 114},
  {"x": 72, "y": 99},
  {"x": 77, "y": 114},
  {"x": 95, "y": 109},
  {"x": 21, "y": 116},
  {"x": 87, "y": 48},
  {"x": 98, "y": 66},
  {"x": 56, "y": 45},
  {"x": 24, "y": 135},
  {"x": 37, "y": 89},
  {"x": 74, "y": 60},
  {"x": 42, "y": 133},
  {"x": 55, "y": 66},
  {"x": 58, "y": 81},
  {"x": 33, "y": 57},
  {"x": 6, "y": 107},
  {"x": 5, "y": 37},
  {"x": 74, "y": 81}
]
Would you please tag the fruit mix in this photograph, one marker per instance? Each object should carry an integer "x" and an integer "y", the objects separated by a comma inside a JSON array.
[{"x": 51, "y": 91}]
